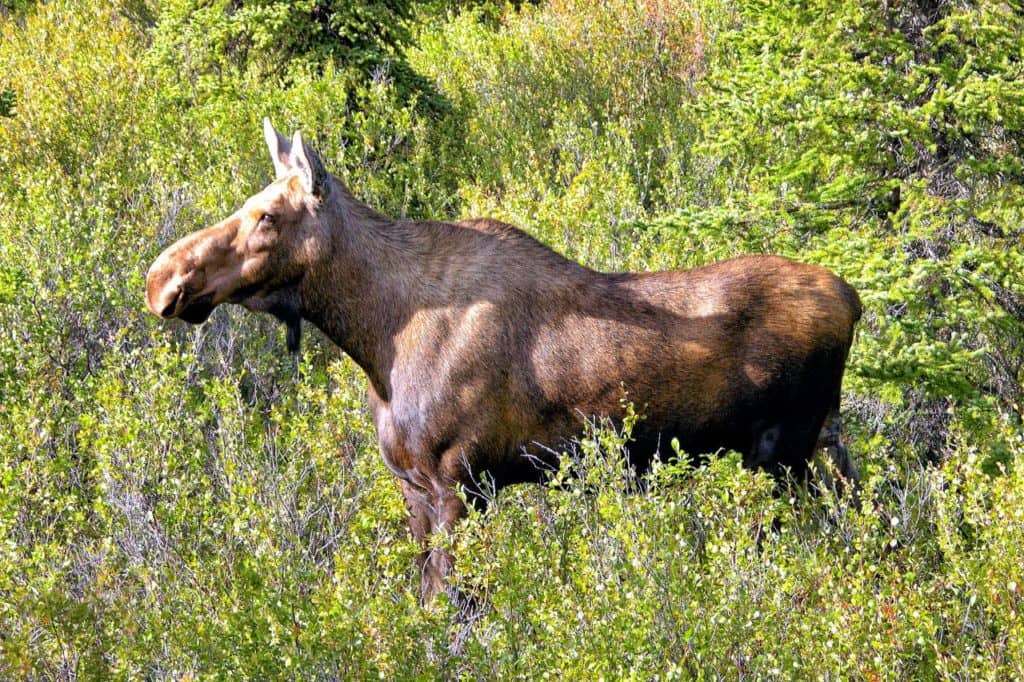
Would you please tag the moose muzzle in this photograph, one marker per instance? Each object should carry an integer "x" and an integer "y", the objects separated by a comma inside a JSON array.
[{"x": 193, "y": 275}]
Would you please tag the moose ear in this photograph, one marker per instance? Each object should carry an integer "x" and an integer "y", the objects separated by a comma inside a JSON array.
[
  {"x": 279, "y": 147},
  {"x": 310, "y": 167}
]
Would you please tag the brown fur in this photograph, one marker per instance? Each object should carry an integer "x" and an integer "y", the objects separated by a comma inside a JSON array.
[{"x": 482, "y": 346}]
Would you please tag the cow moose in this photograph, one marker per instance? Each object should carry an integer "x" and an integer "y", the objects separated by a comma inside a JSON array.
[{"x": 486, "y": 351}]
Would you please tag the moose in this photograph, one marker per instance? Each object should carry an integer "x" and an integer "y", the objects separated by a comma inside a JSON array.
[{"x": 486, "y": 352}]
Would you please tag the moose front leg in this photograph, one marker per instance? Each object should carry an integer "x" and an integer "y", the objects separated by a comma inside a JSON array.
[{"x": 432, "y": 510}]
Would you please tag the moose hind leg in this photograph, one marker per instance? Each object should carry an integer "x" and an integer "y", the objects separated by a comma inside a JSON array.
[
  {"x": 782, "y": 447},
  {"x": 830, "y": 442}
]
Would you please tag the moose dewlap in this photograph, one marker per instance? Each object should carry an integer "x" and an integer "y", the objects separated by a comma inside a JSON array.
[{"x": 486, "y": 351}]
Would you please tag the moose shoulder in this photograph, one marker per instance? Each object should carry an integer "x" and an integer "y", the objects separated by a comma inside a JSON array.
[{"x": 486, "y": 350}]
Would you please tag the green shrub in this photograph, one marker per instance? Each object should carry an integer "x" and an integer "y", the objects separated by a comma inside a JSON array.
[{"x": 567, "y": 106}]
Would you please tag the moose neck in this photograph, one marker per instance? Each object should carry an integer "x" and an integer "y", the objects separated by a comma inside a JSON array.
[{"x": 360, "y": 288}]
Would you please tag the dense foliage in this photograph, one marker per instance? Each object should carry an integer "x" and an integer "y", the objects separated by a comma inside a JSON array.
[{"x": 180, "y": 502}]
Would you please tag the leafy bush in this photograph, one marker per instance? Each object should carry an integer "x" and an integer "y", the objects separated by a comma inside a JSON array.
[
  {"x": 8, "y": 100},
  {"x": 567, "y": 104}
]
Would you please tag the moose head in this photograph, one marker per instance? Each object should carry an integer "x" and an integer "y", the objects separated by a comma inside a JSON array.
[{"x": 256, "y": 257}]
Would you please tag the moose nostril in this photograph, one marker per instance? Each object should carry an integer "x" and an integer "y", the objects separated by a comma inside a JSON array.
[{"x": 168, "y": 310}]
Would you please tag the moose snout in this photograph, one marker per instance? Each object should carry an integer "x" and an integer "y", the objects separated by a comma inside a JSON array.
[
  {"x": 168, "y": 290},
  {"x": 196, "y": 273},
  {"x": 164, "y": 293},
  {"x": 168, "y": 310}
]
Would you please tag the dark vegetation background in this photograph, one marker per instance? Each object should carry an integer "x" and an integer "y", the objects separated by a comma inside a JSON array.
[{"x": 180, "y": 503}]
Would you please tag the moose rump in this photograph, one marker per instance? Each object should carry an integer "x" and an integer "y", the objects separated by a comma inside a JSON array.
[{"x": 484, "y": 349}]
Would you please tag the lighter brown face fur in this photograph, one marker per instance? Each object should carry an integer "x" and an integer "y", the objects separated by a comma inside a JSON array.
[{"x": 247, "y": 255}]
